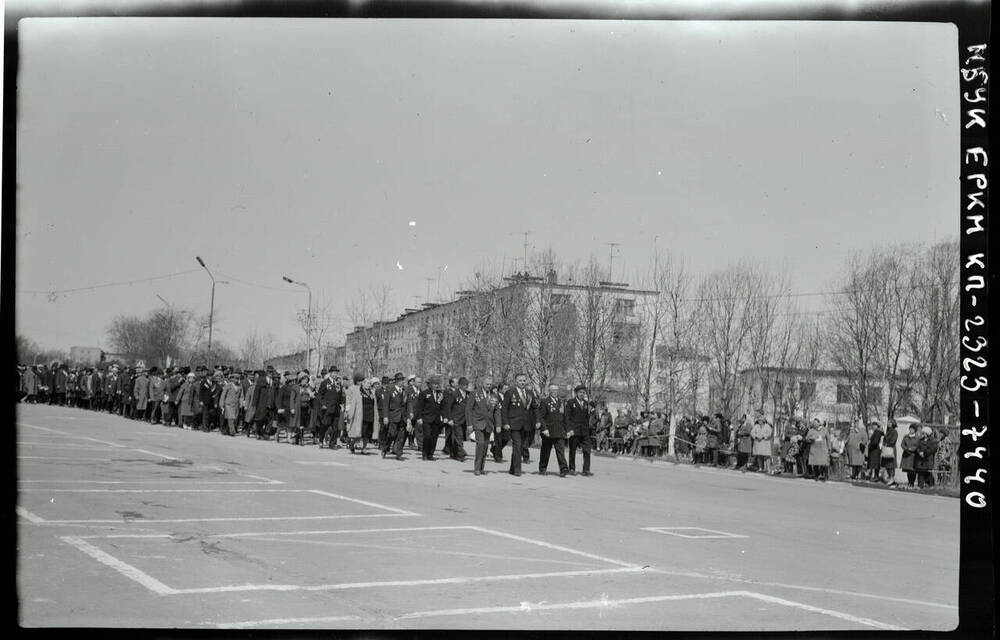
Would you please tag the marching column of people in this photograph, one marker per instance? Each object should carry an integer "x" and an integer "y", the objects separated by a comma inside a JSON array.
[{"x": 335, "y": 411}]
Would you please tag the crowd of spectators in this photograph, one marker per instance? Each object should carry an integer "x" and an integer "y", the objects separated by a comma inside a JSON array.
[{"x": 225, "y": 399}]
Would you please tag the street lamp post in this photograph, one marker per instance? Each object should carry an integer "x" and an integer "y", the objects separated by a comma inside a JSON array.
[
  {"x": 211, "y": 308},
  {"x": 308, "y": 319}
]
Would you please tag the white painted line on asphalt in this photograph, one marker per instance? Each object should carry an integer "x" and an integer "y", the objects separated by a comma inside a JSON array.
[
  {"x": 309, "y": 532},
  {"x": 63, "y": 445},
  {"x": 159, "y": 455},
  {"x": 587, "y": 604},
  {"x": 30, "y": 517},
  {"x": 556, "y": 547},
  {"x": 281, "y": 621},
  {"x": 325, "y": 463},
  {"x": 827, "y": 612},
  {"x": 673, "y": 531},
  {"x": 257, "y": 519},
  {"x": 799, "y": 587},
  {"x": 155, "y": 433},
  {"x": 267, "y": 480},
  {"x": 172, "y": 490},
  {"x": 330, "y": 531},
  {"x": 374, "y": 505},
  {"x": 66, "y": 433},
  {"x": 63, "y": 458},
  {"x": 176, "y": 481},
  {"x": 123, "y": 568},
  {"x": 402, "y": 583},
  {"x": 464, "y": 554}
]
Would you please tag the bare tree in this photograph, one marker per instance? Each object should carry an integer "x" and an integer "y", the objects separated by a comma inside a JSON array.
[
  {"x": 316, "y": 324},
  {"x": 369, "y": 311},
  {"x": 549, "y": 324},
  {"x": 932, "y": 336},
  {"x": 595, "y": 320},
  {"x": 726, "y": 324},
  {"x": 256, "y": 348}
]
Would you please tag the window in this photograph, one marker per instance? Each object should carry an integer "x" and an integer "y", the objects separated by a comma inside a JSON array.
[
  {"x": 625, "y": 306},
  {"x": 874, "y": 395},
  {"x": 844, "y": 394},
  {"x": 807, "y": 391}
]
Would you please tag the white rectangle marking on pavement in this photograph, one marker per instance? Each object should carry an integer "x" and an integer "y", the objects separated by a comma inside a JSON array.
[
  {"x": 375, "y": 505},
  {"x": 280, "y": 621},
  {"x": 827, "y": 612},
  {"x": 674, "y": 531},
  {"x": 30, "y": 517},
  {"x": 123, "y": 568},
  {"x": 548, "y": 606},
  {"x": 402, "y": 583},
  {"x": 557, "y": 547}
]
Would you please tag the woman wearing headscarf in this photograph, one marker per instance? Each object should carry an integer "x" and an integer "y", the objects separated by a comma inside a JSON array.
[
  {"x": 854, "y": 448},
  {"x": 701, "y": 440},
  {"x": 761, "y": 435},
  {"x": 927, "y": 446},
  {"x": 874, "y": 451},
  {"x": 819, "y": 449},
  {"x": 888, "y": 462},
  {"x": 908, "y": 459},
  {"x": 744, "y": 443},
  {"x": 187, "y": 401}
]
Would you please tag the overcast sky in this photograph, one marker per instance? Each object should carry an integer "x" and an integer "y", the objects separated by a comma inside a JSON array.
[{"x": 307, "y": 148}]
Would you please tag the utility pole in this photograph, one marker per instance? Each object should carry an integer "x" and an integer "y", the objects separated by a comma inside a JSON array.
[
  {"x": 611, "y": 259},
  {"x": 211, "y": 308},
  {"x": 309, "y": 321},
  {"x": 427, "y": 297}
]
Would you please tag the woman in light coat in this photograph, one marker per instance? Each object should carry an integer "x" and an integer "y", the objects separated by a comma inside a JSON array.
[
  {"x": 854, "y": 448},
  {"x": 744, "y": 443},
  {"x": 819, "y": 449},
  {"x": 761, "y": 435},
  {"x": 229, "y": 404},
  {"x": 354, "y": 412},
  {"x": 187, "y": 401},
  {"x": 140, "y": 392}
]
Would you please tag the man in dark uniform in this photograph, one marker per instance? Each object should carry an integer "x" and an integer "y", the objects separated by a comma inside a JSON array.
[
  {"x": 429, "y": 412},
  {"x": 379, "y": 390},
  {"x": 579, "y": 430},
  {"x": 482, "y": 413},
  {"x": 61, "y": 384},
  {"x": 518, "y": 418},
  {"x": 455, "y": 419},
  {"x": 412, "y": 391},
  {"x": 206, "y": 399},
  {"x": 551, "y": 422},
  {"x": 326, "y": 409},
  {"x": 395, "y": 418}
]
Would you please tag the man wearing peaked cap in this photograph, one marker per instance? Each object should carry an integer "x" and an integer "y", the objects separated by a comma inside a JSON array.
[{"x": 578, "y": 429}]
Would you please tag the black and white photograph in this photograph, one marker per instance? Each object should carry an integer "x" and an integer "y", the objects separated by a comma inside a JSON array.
[{"x": 377, "y": 322}]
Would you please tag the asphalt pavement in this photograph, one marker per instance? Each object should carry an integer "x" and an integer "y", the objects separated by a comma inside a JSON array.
[{"x": 126, "y": 524}]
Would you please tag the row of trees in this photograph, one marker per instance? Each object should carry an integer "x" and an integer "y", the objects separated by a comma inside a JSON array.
[{"x": 731, "y": 340}]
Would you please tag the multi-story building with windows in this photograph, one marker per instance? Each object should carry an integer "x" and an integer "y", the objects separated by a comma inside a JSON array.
[{"x": 556, "y": 332}]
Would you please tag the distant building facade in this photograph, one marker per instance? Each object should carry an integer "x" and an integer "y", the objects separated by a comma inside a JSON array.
[
  {"x": 439, "y": 337},
  {"x": 88, "y": 356}
]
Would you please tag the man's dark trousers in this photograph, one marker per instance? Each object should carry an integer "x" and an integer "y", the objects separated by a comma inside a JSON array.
[
  {"x": 543, "y": 457},
  {"x": 431, "y": 433},
  {"x": 583, "y": 442},
  {"x": 515, "y": 448}
]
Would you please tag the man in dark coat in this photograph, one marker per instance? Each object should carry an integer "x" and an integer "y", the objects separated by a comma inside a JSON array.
[
  {"x": 482, "y": 413},
  {"x": 173, "y": 391},
  {"x": 59, "y": 386},
  {"x": 579, "y": 429},
  {"x": 413, "y": 389},
  {"x": 429, "y": 412},
  {"x": 455, "y": 419},
  {"x": 326, "y": 408},
  {"x": 395, "y": 420},
  {"x": 552, "y": 423},
  {"x": 518, "y": 418},
  {"x": 207, "y": 388}
]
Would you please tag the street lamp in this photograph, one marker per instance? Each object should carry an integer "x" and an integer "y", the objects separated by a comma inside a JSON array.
[
  {"x": 211, "y": 309},
  {"x": 308, "y": 319}
]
